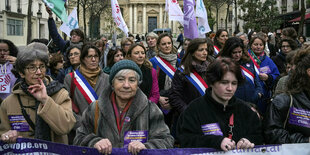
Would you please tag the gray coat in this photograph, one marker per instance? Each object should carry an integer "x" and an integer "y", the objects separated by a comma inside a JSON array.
[
  {"x": 144, "y": 116},
  {"x": 79, "y": 99}
]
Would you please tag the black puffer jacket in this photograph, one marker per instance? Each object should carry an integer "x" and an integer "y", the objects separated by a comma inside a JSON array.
[{"x": 294, "y": 131}]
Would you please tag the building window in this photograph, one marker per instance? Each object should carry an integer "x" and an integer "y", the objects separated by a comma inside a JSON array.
[
  {"x": 295, "y": 5},
  {"x": 15, "y": 27},
  {"x": 284, "y": 6},
  {"x": 7, "y": 5}
]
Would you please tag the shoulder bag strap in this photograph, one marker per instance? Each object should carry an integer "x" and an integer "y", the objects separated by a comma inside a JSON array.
[
  {"x": 26, "y": 116},
  {"x": 288, "y": 111},
  {"x": 96, "y": 117},
  {"x": 72, "y": 88}
]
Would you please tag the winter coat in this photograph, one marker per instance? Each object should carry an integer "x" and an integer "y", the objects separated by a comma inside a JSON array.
[
  {"x": 56, "y": 112},
  {"x": 142, "y": 115},
  {"x": 79, "y": 99},
  {"x": 149, "y": 85},
  {"x": 248, "y": 91},
  {"x": 206, "y": 112},
  {"x": 296, "y": 129},
  {"x": 280, "y": 61}
]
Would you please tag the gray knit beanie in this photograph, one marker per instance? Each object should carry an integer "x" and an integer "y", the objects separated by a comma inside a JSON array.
[{"x": 124, "y": 64}]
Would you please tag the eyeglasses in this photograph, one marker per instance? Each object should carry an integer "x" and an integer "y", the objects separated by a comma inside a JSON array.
[
  {"x": 33, "y": 69},
  {"x": 92, "y": 56},
  {"x": 74, "y": 54}
]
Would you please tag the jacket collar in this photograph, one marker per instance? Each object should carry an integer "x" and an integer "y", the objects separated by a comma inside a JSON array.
[{"x": 210, "y": 100}]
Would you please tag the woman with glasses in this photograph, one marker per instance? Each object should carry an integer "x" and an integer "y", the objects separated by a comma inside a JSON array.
[
  {"x": 87, "y": 82},
  {"x": 73, "y": 60},
  {"x": 286, "y": 45},
  {"x": 38, "y": 107},
  {"x": 125, "y": 45},
  {"x": 149, "y": 85},
  {"x": 115, "y": 55},
  {"x": 8, "y": 54}
]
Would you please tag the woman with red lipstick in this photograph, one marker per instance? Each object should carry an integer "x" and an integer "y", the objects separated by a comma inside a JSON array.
[
  {"x": 87, "y": 82},
  {"x": 218, "y": 119},
  {"x": 38, "y": 107},
  {"x": 251, "y": 91},
  {"x": 8, "y": 54},
  {"x": 149, "y": 85}
]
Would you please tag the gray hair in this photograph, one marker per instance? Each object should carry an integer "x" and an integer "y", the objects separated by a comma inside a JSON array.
[
  {"x": 152, "y": 34},
  {"x": 242, "y": 34},
  {"x": 32, "y": 52},
  {"x": 123, "y": 72}
]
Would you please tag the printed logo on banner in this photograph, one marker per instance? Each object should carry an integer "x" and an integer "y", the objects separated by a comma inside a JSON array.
[
  {"x": 5, "y": 83},
  {"x": 131, "y": 136},
  {"x": 265, "y": 70},
  {"x": 212, "y": 129},
  {"x": 299, "y": 117},
  {"x": 18, "y": 123}
]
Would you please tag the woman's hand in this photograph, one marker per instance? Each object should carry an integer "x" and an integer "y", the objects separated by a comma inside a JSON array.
[
  {"x": 10, "y": 136},
  {"x": 263, "y": 76},
  {"x": 135, "y": 147},
  {"x": 164, "y": 102},
  {"x": 228, "y": 144},
  {"x": 11, "y": 59},
  {"x": 244, "y": 144},
  {"x": 38, "y": 91},
  {"x": 104, "y": 146}
]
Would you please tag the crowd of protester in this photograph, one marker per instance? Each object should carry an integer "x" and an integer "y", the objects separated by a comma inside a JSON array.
[{"x": 221, "y": 92}]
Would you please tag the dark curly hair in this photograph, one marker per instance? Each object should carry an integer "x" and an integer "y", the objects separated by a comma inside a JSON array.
[
  {"x": 300, "y": 79},
  {"x": 12, "y": 48},
  {"x": 230, "y": 45},
  {"x": 217, "y": 35}
]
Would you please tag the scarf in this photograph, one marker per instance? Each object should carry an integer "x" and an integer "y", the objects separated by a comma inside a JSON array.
[
  {"x": 201, "y": 69},
  {"x": 172, "y": 59},
  {"x": 257, "y": 58},
  {"x": 42, "y": 129},
  {"x": 90, "y": 76}
]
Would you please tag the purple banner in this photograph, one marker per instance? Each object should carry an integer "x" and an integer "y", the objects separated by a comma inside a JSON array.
[
  {"x": 299, "y": 117},
  {"x": 190, "y": 24},
  {"x": 33, "y": 146}
]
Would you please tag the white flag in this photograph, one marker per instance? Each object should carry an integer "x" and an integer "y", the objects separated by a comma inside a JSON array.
[
  {"x": 72, "y": 23},
  {"x": 118, "y": 18},
  {"x": 201, "y": 13},
  {"x": 174, "y": 11}
]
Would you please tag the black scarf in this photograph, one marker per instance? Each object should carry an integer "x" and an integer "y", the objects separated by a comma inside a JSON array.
[
  {"x": 146, "y": 84},
  {"x": 42, "y": 129}
]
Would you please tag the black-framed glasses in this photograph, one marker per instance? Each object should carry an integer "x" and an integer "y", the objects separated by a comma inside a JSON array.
[
  {"x": 33, "y": 69},
  {"x": 74, "y": 54}
]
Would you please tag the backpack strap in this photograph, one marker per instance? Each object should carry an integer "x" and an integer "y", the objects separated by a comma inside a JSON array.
[
  {"x": 288, "y": 111},
  {"x": 96, "y": 117}
]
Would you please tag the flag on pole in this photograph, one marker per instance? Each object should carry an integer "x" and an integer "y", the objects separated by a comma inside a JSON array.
[
  {"x": 58, "y": 7},
  {"x": 72, "y": 23},
  {"x": 118, "y": 18},
  {"x": 190, "y": 24},
  {"x": 174, "y": 11},
  {"x": 201, "y": 13}
]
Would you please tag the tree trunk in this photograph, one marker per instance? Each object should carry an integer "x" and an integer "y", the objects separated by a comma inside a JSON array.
[
  {"x": 84, "y": 19},
  {"x": 217, "y": 18},
  {"x": 227, "y": 13},
  {"x": 236, "y": 16},
  {"x": 29, "y": 22},
  {"x": 302, "y": 19}
]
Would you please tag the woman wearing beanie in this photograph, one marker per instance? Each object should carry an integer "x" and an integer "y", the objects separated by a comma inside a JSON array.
[
  {"x": 86, "y": 83},
  {"x": 149, "y": 85},
  {"x": 122, "y": 115},
  {"x": 165, "y": 64}
]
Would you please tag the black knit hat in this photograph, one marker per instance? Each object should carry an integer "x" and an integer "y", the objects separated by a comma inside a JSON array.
[{"x": 124, "y": 64}]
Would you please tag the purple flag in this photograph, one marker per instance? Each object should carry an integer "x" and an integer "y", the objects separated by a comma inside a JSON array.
[{"x": 190, "y": 25}]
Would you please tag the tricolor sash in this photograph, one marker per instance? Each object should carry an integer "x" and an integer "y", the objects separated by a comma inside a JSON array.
[
  {"x": 196, "y": 80},
  {"x": 85, "y": 88},
  {"x": 216, "y": 50},
  {"x": 256, "y": 66},
  {"x": 165, "y": 66},
  {"x": 248, "y": 75}
]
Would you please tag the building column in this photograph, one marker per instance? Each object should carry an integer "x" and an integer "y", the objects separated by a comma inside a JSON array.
[
  {"x": 161, "y": 16},
  {"x": 130, "y": 18},
  {"x": 144, "y": 18},
  {"x": 135, "y": 15}
]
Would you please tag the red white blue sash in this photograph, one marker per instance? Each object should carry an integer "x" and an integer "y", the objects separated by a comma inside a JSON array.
[
  {"x": 85, "y": 88},
  {"x": 197, "y": 81},
  {"x": 216, "y": 50},
  {"x": 248, "y": 75},
  {"x": 165, "y": 66},
  {"x": 256, "y": 66}
]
